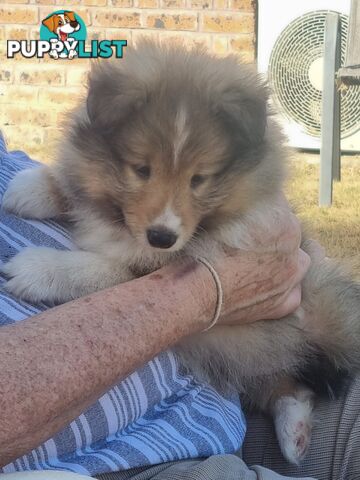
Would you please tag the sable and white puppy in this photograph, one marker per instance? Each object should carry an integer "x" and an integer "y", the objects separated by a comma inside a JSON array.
[
  {"x": 63, "y": 25},
  {"x": 173, "y": 152}
]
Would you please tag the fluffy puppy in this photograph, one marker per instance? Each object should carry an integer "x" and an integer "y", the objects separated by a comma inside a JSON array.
[{"x": 173, "y": 152}]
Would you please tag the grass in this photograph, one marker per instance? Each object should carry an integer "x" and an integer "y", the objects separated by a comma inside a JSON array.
[{"x": 338, "y": 227}]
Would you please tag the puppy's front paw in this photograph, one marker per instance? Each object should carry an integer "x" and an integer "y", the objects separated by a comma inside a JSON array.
[
  {"x": 293, "y": 425},
  {"x": 30, "y": 195},
  {"x": 35, "y": 275}
]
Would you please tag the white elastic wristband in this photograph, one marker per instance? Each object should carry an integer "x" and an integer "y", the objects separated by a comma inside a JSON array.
[{"x": 219, "y": 289}]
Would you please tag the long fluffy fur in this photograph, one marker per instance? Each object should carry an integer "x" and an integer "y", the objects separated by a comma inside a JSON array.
[{"x": 176, "y": 111}]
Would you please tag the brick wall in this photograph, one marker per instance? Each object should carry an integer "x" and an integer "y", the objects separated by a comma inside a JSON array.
[{"x": 34, "y": 93}]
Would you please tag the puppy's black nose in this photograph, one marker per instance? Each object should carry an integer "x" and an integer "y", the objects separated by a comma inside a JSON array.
[
  {"x": 74, "y": 24},
  {"x": 161, "y": 237}
]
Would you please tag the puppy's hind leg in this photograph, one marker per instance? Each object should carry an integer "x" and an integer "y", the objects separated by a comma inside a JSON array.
[
  {"x": 33, "y": 193},
  {"x": 292, "y": 409},
  {"x": 290, "y": 404}
]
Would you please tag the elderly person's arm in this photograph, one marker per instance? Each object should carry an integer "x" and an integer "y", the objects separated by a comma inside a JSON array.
[{"x": 56, "y": 364}]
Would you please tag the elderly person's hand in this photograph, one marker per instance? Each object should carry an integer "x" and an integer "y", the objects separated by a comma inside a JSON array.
[{"x": 264, "y": 282}]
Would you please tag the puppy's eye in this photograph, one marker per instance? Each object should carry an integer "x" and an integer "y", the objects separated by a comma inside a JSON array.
[
  {"x": 142, "y": 171},
  {"x": 196, "y": 180}
]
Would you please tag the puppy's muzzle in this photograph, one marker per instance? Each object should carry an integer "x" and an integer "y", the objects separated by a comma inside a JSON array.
[{"x": 161, "y": 237}]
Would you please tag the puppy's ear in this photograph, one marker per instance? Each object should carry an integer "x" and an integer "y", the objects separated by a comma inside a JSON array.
[
  {"x": 243, "y": 108},
  {"x": 50, "y": 23},
  {"x": 71, "y": 15},
  {"x": 112, "y": 94}
]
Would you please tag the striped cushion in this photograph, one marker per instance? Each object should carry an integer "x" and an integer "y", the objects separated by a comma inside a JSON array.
[{"x": 156, "y": 415}]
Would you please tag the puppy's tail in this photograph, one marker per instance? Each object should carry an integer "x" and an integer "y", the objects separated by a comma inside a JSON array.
[{"x": 331, "y": 304}]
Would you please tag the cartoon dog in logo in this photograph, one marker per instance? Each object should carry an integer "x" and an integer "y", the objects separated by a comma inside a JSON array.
[{"x": 63, "y": 25}]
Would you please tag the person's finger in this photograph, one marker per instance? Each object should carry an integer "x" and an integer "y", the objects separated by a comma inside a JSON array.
[
  {"x": 286, "y": 299},
  {"x": 273, "y": 308},
  {"x": 289, "y": 300},
  {"x": 287, "y": 304},
  {"x": 290, "y": 274},
  {"x": 316, "y": 251},
  {"x": 303, "y": 265}
]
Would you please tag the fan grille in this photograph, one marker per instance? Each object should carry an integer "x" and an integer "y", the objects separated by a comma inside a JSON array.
[{"x": 297, "y": 52}]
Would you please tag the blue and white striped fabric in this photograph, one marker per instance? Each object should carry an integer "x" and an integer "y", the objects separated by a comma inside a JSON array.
[{"x": 156, "y": 415}]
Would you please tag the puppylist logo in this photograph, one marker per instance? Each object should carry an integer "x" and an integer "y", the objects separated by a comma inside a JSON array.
[{"x": 63, "y": 35}]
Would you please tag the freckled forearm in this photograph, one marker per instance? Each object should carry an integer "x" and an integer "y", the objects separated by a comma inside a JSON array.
[{"x": 58, "y": 363}]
